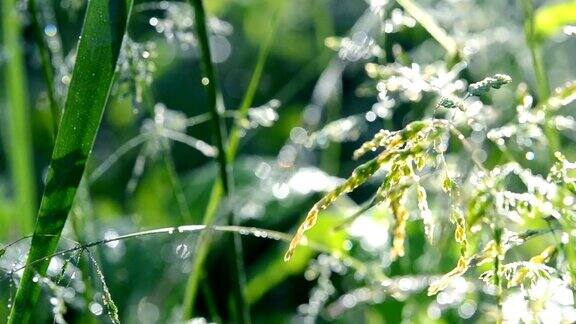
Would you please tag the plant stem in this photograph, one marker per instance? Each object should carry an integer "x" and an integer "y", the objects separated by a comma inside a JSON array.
[
  {"x": 218, "y": 192},
  {"x": 248, "y": 98},
  {"x": 225, "y": 180},
  {"x": 498, "y": 258},
  {"x": 532, "y": 42},
  {"x": 20, "y": 139},
  {"x": 431, "y": 26},
  {"x": 211, "y": 83},
  {"x": 46, "y": 61},
  {"x": 542, "y": 82},
  {"x": 330, "y": 157}
]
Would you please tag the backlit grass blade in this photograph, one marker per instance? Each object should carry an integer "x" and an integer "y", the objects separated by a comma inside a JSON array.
[
  {"x": 98, "y": 50},
  {"x": 20, "y": 139}
]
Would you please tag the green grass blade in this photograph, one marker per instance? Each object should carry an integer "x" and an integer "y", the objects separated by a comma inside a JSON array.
[
  {"x": 98, "y": 50},
  {"x": 217, "y": 190},
  {"x": 20, "y": 138}
]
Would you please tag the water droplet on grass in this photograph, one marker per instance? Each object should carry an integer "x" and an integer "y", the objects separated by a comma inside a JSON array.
[
  {"x": 109, "y": 235},
  {"x": 182, "y": 251},
  {"x": 96, "y": 309},
  {"x": 50, "y": 30}
]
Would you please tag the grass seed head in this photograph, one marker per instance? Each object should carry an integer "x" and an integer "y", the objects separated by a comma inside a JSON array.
[{"x": 482, "y": 87}]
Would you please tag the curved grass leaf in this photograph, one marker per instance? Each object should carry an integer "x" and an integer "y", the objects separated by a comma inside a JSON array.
[{"x": 98, "y": 50}]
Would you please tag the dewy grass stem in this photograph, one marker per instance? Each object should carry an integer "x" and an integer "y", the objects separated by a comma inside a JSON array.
[
  {"x": 224, "y": 182},
  {"x": 218, "y": 192}
]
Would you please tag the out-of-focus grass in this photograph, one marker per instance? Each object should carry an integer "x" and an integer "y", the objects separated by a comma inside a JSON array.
[{"x": 20, "y": 139}]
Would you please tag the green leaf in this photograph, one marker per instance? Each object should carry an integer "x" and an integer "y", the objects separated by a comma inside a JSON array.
[
  {"x": 98, "y": 49},
  {"x": 549, "y": 19}
]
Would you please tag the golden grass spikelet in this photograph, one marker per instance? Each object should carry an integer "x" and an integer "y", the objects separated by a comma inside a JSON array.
[
  {"x": 401, "y": 216},
  {"x": 393, "y": 140},
  {"x": 463, "y": 262},
  {"x": 524, "y": 271},
  {"x": 562, "y": 96},
  {"x": 381, "y": 139},
  {"x": 425, "y": 212},
  {"x": 401, "y": 147},
  {"x": 358, "y": 177},
  {"x": 441, "y": 284}
]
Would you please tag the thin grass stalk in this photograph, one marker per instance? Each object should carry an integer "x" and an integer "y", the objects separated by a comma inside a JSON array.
[
  {"x": 210, "y": 81},
  {"x": 46, "y": 62},
  {"x": 428, "y": 22},
  {"x": 542, "y": 83},
  {"x": 20, "y": 138},
  {"x": 532, "y": 42},
  {"x": 98, "y": 50},
  {"x": 324, "y": 28},
  {"x": 175, "y": 183},
  {"x": 217, "y": 189}
]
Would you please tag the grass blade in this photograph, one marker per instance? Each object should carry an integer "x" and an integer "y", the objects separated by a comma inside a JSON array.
[
  {"x": 98, "y": 50},
  {"x": 20, "y": 138}
]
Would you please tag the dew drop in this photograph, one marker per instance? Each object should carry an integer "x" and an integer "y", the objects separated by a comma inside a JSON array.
[
  {"x": 370, "y": 116},
  {"x": 205, "y": 81},
  {"x": 182, "y": 251},
  {"x": 35, "y": 279},
  {"x": 153, "y": 21},
  {"x": 110, "y": 235},
  {"x": 50, "y": 30},
  {"x": 96, "y": 309},
  {"x": 529, "y": 156}
]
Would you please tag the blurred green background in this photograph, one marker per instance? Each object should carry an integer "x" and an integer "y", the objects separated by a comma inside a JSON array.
[{"x": 276, "y": 178}]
